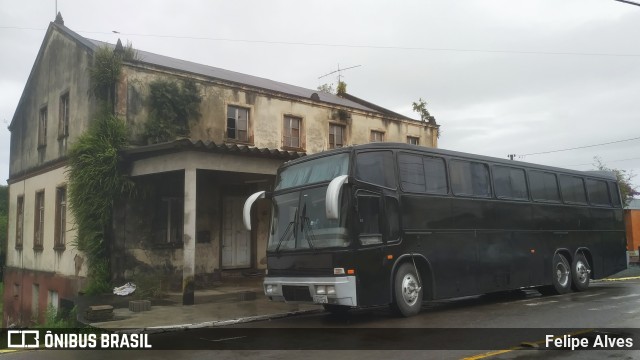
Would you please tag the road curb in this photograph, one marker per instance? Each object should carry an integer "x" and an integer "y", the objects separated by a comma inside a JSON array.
[
  {"x": 622, "y": 279},
  {"x": 216, "y": 323}
]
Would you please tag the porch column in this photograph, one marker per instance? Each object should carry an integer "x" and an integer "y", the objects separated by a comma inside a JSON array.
[{"x": 189, "y": 237}]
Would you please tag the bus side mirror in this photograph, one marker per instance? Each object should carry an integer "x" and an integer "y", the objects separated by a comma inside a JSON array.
[
  {"x": 246, "y": 211},
  {"x": 332, "y": 199}
]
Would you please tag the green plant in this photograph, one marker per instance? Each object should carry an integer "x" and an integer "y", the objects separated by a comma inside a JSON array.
[
  {"x": 326, "y": 88},
  {"x": 104, "y": 73},
  {"x": 342, "y": 88},
  {"x": 148, "y": 285},
  {"x": 172, "y": 106},
  {"x": 130, "y": 54},
  {"x": 96, "y": 180},
  {"x": 55, "y": 319}
]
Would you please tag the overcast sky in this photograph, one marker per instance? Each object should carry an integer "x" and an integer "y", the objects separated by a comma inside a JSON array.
[{"x": 500, "y": 76}]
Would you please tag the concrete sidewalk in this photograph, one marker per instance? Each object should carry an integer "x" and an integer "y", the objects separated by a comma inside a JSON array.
[{"x": 241, "y": 300}]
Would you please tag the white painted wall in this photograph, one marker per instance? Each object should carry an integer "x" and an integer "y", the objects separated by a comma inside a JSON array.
[{"x": 60, "y": 262}]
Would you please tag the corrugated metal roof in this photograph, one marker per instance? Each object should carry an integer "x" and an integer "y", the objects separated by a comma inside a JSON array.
[
  {"x": 634, "y": 204},
  {"x": 223, "y": 74},
  {"x": 210, "y": 146}
]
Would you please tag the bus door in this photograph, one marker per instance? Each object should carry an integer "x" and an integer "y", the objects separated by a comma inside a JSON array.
[{"x": 377, "y": 222}]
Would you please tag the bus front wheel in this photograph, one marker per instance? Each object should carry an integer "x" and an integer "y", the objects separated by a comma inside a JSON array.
[
  {"x": 561, "y": 274},
  {"x": 580, "y": 273},
  {"x": 407, "y": 291}
]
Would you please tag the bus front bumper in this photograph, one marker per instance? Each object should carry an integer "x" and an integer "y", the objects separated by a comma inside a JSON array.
[{"x": 318, "y": 290}]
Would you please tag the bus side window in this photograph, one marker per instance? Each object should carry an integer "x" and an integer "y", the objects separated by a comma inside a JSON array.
[
  {"x": 615, "y": 194},
  {"x": 598, "y": 192},
  {"x": 572, "y": 188},
  {"x": 392, "y": 216},
  {"x": 369, "y": 219},
  {"x": 376, "y": 167},
  {"x": 509, "y": 183},
  {"x": 544, "y": 186},
  {"x": 470, "y": 178}
]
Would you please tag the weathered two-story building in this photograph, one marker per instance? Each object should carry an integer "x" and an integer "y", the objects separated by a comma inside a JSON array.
[{"x": 189, "y": 229}]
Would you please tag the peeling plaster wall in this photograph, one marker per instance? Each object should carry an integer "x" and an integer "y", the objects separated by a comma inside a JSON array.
[
  {"x": 62, "y": 68},
  {"x": 266, "y": 113}
]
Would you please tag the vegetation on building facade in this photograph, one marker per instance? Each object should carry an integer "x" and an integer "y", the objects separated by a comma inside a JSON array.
[
  {"x": 172, "y": 106},
  {"x": 96, "y": 180},
  {"x": 96, "y": 175}
]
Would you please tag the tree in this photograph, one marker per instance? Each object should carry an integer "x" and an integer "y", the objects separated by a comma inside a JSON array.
[
  {"x": 627, "y": 189},
  {"x": 420, "y": 107}
]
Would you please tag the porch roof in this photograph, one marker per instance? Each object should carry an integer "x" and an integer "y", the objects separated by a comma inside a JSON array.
[{"x": 141, "y": 152}]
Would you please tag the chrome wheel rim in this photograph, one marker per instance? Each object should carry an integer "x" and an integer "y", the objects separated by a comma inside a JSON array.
[
  {"x": 562, "y": 274},
  {"x": 582, "y": 271},
  {"x": 410, "y": 289}
]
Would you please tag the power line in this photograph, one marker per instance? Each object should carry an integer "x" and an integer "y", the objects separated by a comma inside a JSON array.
[
  {"x": 354, "y": 46},
  {"x": 580, "y": 147},
  {"x": 610, "y": 161},
  {"x": 629, "y": 2}
]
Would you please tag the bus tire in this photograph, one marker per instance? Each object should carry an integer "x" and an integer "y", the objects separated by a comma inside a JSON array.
[
  {"x": 407, "y": 291},
  {"x": 561, "y": 274},
  {"x": 580, "y": 273}
]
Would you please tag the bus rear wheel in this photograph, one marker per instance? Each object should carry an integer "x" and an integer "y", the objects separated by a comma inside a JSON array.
[
  {"x": 580, "y": 273},
  {"x": 561, "y": 274},
  {"x": 407, "y": 291}
]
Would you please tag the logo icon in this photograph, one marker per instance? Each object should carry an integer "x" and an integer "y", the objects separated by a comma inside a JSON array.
[{"x": 23, "y": 339}]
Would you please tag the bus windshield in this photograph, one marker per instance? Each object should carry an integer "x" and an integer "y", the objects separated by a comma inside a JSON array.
[
  {"x": 313, "y": 171},
  {"x": 299, "y": 222}
]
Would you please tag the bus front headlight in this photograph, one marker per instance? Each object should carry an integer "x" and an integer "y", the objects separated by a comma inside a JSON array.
[
  {"x": 269, "y": 289},
  {"x": 331, "y": 290},
  {"x": 321, "y": 290}
]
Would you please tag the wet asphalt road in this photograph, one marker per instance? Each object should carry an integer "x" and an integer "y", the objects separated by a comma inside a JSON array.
[{"x": 451, "y": 329}]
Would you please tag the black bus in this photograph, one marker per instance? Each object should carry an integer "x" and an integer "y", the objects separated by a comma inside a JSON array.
[{"x": 396, "y": 224}]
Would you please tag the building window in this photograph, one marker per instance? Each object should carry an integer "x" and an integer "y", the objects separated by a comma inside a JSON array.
[
  {"x": 63, "y": 123},
  {"x": 52, "y": 300},
  {"x": 376, "y": 136},
  {"x": 19, "y": 221},
  {"x": 61, "y": 219},
  {"x": 171, "y": 223},
  {"x": 336, "y": 136},
  {"x": 35, "y": 301},
  {"x": 292, "y": 132},
  {"x": 413, "y": 140},
  {"x": 42, "y": 133},
  {"x": 38, "y": 233},
  {"x": 237, "y": 123}
]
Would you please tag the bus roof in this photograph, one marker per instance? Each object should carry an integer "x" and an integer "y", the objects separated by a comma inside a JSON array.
[{"x": 608, "y": 175}]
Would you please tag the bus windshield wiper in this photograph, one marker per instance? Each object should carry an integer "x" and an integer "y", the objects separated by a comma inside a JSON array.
[
  {"x": 287, "y": 231},
  {"x": 306, "y": 224}
]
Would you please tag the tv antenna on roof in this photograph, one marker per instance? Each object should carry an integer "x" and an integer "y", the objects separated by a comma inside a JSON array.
[{"x": 338, "y": 71}]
